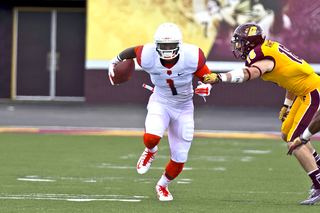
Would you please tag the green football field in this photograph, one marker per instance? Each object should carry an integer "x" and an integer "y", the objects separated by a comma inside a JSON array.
[{"x": 74, "y": 173}]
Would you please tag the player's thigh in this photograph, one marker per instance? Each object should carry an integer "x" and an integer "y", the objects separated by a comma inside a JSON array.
[
  {"x": 157, "y": 119},
  {"x": 287, "y": 124},
  {"x": 180, "y": 135},
  {"x": 309, "y": 105}
]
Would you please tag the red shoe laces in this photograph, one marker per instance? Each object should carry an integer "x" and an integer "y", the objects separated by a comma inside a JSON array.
[
  {"x": 164, "y": 191},
  {"x": 148, "y": 156}
]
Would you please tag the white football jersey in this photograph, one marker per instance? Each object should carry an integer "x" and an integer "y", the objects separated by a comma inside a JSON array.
[{"x": 172, "y": 86}]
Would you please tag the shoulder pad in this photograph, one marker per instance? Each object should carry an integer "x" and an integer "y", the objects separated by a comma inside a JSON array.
[
  {"x": 147, "y": 55},
  {"x": 191, "y": 55}
]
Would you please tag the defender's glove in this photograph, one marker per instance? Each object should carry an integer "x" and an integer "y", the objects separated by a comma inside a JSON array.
[
  {"x": 211, "y": 78},
  {"x": 203, "y": 89},
  {"x": 284, "y": 112},
  {"x": 296, "y": 144},
  {"x": 112, "y": 64}
]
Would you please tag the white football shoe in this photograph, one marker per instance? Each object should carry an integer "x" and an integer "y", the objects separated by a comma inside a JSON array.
[
  {"x": 312, "y": 188},
  {"x": 145, "y": 161},
  {"x": 313, "y": 198},
  {"x": 163, "y": 193}
]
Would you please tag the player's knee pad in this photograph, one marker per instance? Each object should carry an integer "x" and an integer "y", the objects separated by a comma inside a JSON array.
[
  {"x": 173, "y": 169},
  {"x": 188, "y": 130},
  {"x": 180, "y": 156},
  {"x": 150, "y": 141}
]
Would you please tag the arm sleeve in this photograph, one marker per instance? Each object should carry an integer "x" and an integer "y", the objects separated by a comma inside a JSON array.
[
  {"x": 202, "y": 59},
  {"x": 202, "y": 67},
  {"x": 257, "y": 55},
  {"x": 138, "y": 51},
  {"x": 202, "y": 72}
]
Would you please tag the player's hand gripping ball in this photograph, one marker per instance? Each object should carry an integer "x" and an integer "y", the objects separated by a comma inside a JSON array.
[{"x": 123, "y": 71}]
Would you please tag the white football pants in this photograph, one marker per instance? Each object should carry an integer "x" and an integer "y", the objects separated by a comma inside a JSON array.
[{"x": 179, "y": 121}]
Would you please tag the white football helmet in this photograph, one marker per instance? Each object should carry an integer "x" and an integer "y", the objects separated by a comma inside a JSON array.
[{"x": 168, "y": 39}]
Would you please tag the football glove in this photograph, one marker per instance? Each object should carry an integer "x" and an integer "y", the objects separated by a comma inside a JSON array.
[
  {"x": 211, "y": 78},
  {"x": 284, "y": 112},
  {"x": 203, "y": 89},
  {"x": 296, "y": 144},
  {"x": 112, "y": 64}
]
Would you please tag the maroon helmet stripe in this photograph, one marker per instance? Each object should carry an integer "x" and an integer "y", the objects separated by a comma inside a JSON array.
[{"x": 308, "y": 115}]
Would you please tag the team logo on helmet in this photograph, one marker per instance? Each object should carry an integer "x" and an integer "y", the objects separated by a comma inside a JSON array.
[{"x": 252, "y": 31}]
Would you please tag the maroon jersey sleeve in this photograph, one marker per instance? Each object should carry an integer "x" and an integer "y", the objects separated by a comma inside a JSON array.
[{"x": 255, "y": 55}]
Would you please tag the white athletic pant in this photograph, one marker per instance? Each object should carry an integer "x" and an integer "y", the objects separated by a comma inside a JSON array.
[{"x": 179, "y": 122}]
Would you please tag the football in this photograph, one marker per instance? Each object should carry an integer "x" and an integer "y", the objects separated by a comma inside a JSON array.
[{"x": 123, "y": 71}]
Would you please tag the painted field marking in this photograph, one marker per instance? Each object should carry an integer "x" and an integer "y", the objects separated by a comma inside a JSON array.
[
  {"x": 257, "y": 151},
  {"x": 32, "y": 179},
  {"x": 123, "y": 200},
  {"x": 73, "y": 197},
  {"x": 136, "y": 132}
]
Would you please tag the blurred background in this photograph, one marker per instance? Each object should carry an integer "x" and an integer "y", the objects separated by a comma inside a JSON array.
[{"x": 59, "y": 50}]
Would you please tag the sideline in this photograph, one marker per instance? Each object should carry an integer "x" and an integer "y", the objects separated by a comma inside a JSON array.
[{"x": 132, "y": 132}]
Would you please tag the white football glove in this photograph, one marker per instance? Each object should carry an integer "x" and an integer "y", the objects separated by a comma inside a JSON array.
[
  {"x": 112, "y": 64},
  {"x": 203, "y": 89}
]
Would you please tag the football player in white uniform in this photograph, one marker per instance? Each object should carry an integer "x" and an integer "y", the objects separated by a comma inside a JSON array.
[{"x": 171, "y": 65}]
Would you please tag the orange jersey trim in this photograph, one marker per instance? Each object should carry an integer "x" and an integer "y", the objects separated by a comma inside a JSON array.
[
  {"x": 202, "y": 72},
  {"x": 137, "y": 49}
]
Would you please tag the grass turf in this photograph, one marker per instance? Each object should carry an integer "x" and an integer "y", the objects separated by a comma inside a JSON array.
[{"x": 72, "y": 173}]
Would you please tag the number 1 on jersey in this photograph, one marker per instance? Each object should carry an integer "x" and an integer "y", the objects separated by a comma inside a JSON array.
[{"x": 171, "y": 85}]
